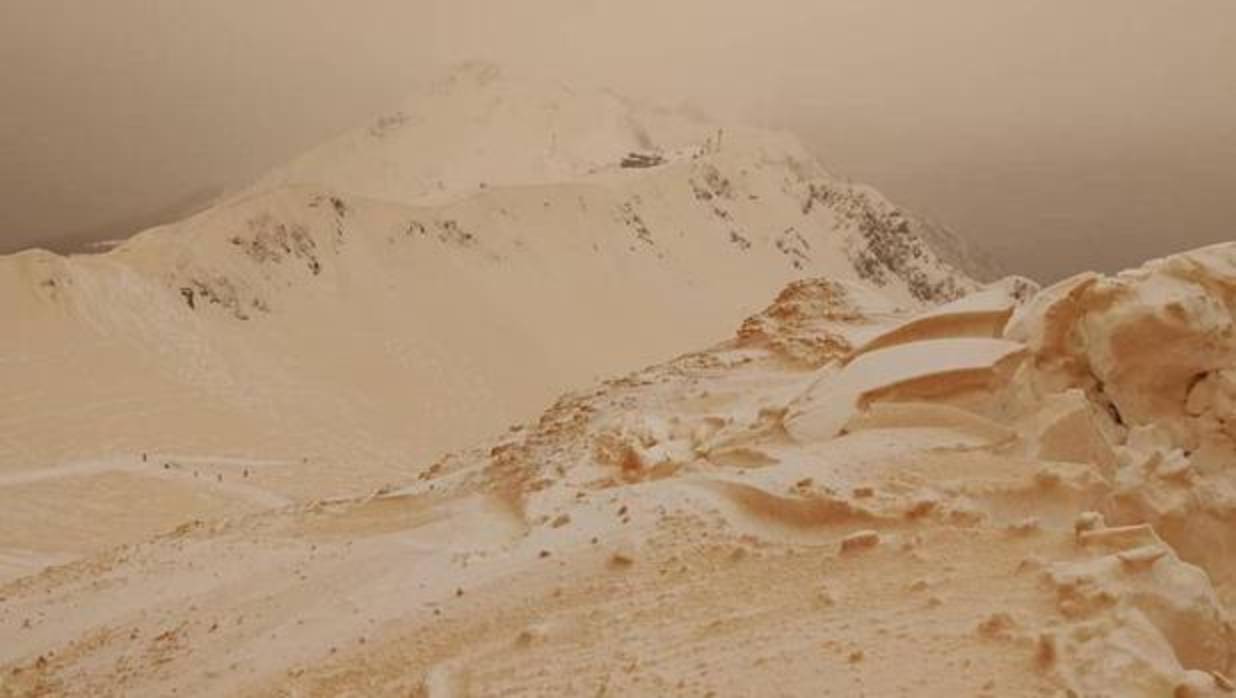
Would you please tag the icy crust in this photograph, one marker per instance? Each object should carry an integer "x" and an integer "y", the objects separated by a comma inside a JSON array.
[
  {"x": 1155, "y": 348},
  {"x": 1133, "y": 377},
  {"x": 1136, "y": 622},
  {"x": 1152, "y": 351},
  {"x": 1152, "y": 341}
]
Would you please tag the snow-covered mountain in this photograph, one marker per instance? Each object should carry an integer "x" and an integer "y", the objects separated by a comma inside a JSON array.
[
  {"x": 429, "y": 278},
  {"x": 299, "y": 443}
]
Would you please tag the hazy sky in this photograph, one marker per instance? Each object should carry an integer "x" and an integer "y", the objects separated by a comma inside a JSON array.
[{"x": 1061, "y": 134}]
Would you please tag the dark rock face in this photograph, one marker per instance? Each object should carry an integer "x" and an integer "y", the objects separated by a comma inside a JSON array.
[
  {"x": 272, "y": 241},
  {"x": 642, "y": 160},
  {"x": 890, "y": 244}
]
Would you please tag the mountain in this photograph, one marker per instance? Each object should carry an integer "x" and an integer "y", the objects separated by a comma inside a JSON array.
[
  {"x": 476, "y": 129},
  {"x": 523, "y": 391},
  {"x": 404, "y": 291}
]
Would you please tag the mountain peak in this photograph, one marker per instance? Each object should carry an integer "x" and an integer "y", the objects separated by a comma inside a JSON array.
[{"x": 479, "y": 128}]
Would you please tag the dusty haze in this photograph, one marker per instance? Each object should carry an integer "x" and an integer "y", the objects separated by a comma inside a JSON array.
[
  {"x": 396, "y": 417},
  {"x": 1062, "y": 135}
]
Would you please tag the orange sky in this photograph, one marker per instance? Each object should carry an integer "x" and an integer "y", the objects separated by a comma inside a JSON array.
[{"x": 1064, "y": 135}]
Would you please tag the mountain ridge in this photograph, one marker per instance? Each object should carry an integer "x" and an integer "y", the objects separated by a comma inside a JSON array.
[{"x": 346, "y": 337}]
